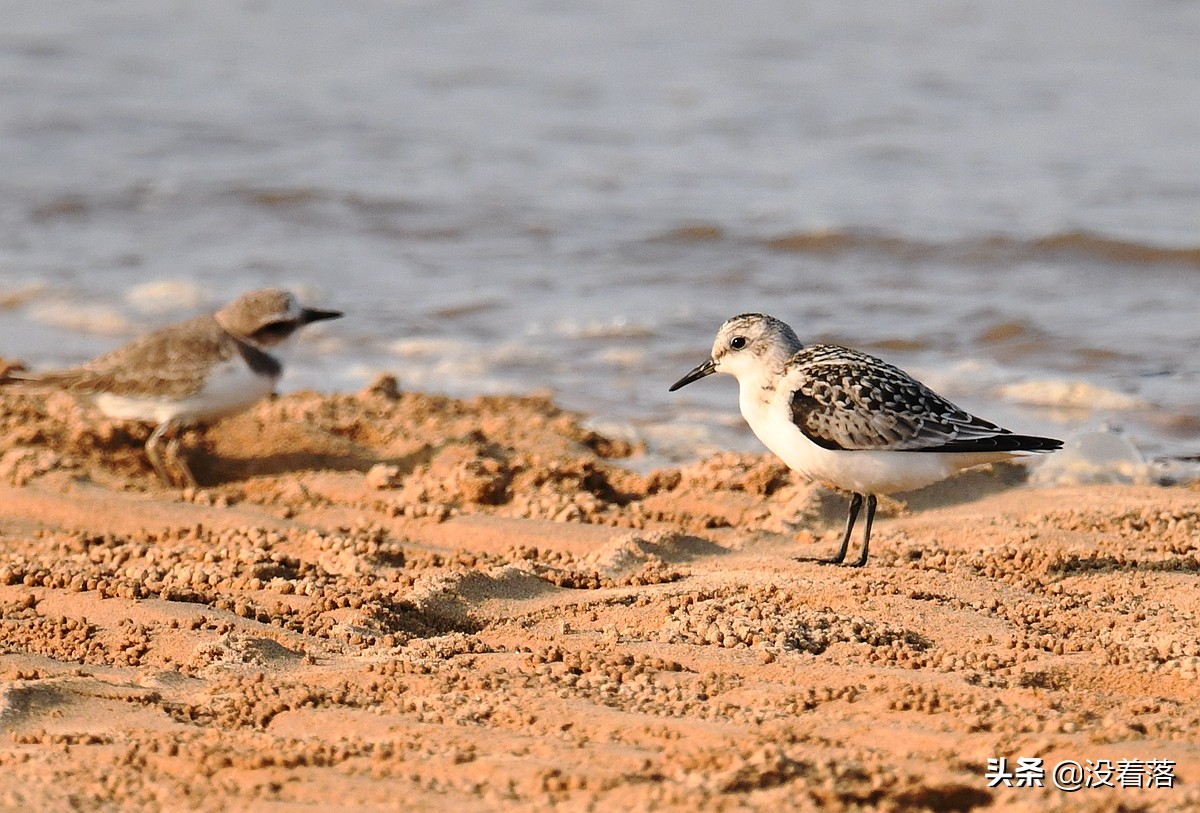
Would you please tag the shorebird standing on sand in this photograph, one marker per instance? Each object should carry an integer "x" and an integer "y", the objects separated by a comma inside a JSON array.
[
  {"x": 848, "y": 419},
  {"x": 190, "y": 373}
]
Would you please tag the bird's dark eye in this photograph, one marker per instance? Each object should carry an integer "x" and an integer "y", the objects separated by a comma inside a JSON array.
[
  {"x": 737, "y": 342},
  {"x": 275, "y": 330}
]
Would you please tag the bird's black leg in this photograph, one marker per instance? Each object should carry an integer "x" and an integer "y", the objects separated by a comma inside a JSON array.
[
  {"x": 871, "y": 502},
  {"x": 851, "y": 518}
]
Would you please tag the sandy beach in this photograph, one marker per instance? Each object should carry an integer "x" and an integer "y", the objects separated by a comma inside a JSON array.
[{"x": 388, "y": 600}]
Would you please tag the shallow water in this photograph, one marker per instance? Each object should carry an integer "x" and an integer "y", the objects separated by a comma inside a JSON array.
[{"x": 1002, "y": 199}]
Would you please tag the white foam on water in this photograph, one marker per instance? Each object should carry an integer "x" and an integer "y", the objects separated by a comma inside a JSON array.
[
  {"x": 615, "y": 328},
  {"x": 622, "y": 357},
  {"x": 20, "y": 294},
  {"x": 1071, "y": 394},
  {"x": 423, "y": 348},
  {"x": 166, "y": 296},
  {"x": 675, "y": 442},
  {"x": 455, "y": 377},
  {"x": 614, "y": 429},
  {"x": 101, "y": 320},
  {"x": 516, "y": 353},
  {"x": 1094, "y": 457}
]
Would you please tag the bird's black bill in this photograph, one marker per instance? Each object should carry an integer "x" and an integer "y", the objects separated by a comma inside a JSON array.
[
  {"x": 707, "y": 368},
  {"x": 308, "y": 315}
]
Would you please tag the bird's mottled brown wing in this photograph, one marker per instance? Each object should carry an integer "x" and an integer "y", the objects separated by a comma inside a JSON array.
[
  {"x": 849, "y": 400},
  {"x": 169, "y": 363}
]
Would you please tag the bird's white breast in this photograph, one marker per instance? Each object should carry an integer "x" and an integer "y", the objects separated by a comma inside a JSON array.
[
  {"x": 230, "y": 388},
  {"x": 769, "y": 414}
]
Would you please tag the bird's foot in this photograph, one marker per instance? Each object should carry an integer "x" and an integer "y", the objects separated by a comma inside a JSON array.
[
  {"x": 818, "y": 560},
  {"x": 180, "y": 465}
]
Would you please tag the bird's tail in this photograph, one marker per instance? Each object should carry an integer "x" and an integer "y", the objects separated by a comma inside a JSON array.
[{"x": 14, "y": 373}]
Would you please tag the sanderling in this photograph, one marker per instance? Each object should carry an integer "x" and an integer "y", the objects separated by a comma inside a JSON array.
[
  {"x": 848, "y": 419},
  {"x": 193, "y": 372}
]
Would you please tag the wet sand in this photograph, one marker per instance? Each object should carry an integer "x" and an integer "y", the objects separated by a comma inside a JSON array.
[{"x": 388, "y": 600}]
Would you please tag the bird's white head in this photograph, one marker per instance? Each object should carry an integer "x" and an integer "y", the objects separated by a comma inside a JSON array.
[
  {"x": 747, "y": 345},
  {"x": 268, "y": 317}
]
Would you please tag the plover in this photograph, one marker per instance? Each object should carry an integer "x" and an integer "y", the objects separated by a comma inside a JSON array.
[
  {"x": 850, "y": 420},
  {"x": 193, "y": 372}
]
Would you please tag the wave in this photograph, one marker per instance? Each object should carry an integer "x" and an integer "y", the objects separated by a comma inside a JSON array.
[
  {"x": 384, "y": 214},
  {"x": 993, "y": 248},
  {"x": 1075, "y": 244}
]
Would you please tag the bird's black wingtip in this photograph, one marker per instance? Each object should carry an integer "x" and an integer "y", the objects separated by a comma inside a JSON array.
[
  {"x": 1033, "y": 443},
  {"x": 1023, "y": 443},
  {"x": 999, "y": 443}
]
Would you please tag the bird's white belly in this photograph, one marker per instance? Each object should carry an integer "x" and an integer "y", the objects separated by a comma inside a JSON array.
[
  {"x": 231, "y": 387},
  {"x": 861, "y": 471}
]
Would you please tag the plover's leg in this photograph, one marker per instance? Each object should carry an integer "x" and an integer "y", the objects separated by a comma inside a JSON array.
[
  {"x": 840, "y": 556},
  {"x": 178, "y": 462},
  {"x": 155, "y": 455},
  {"x": 871, "y": 502}
]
